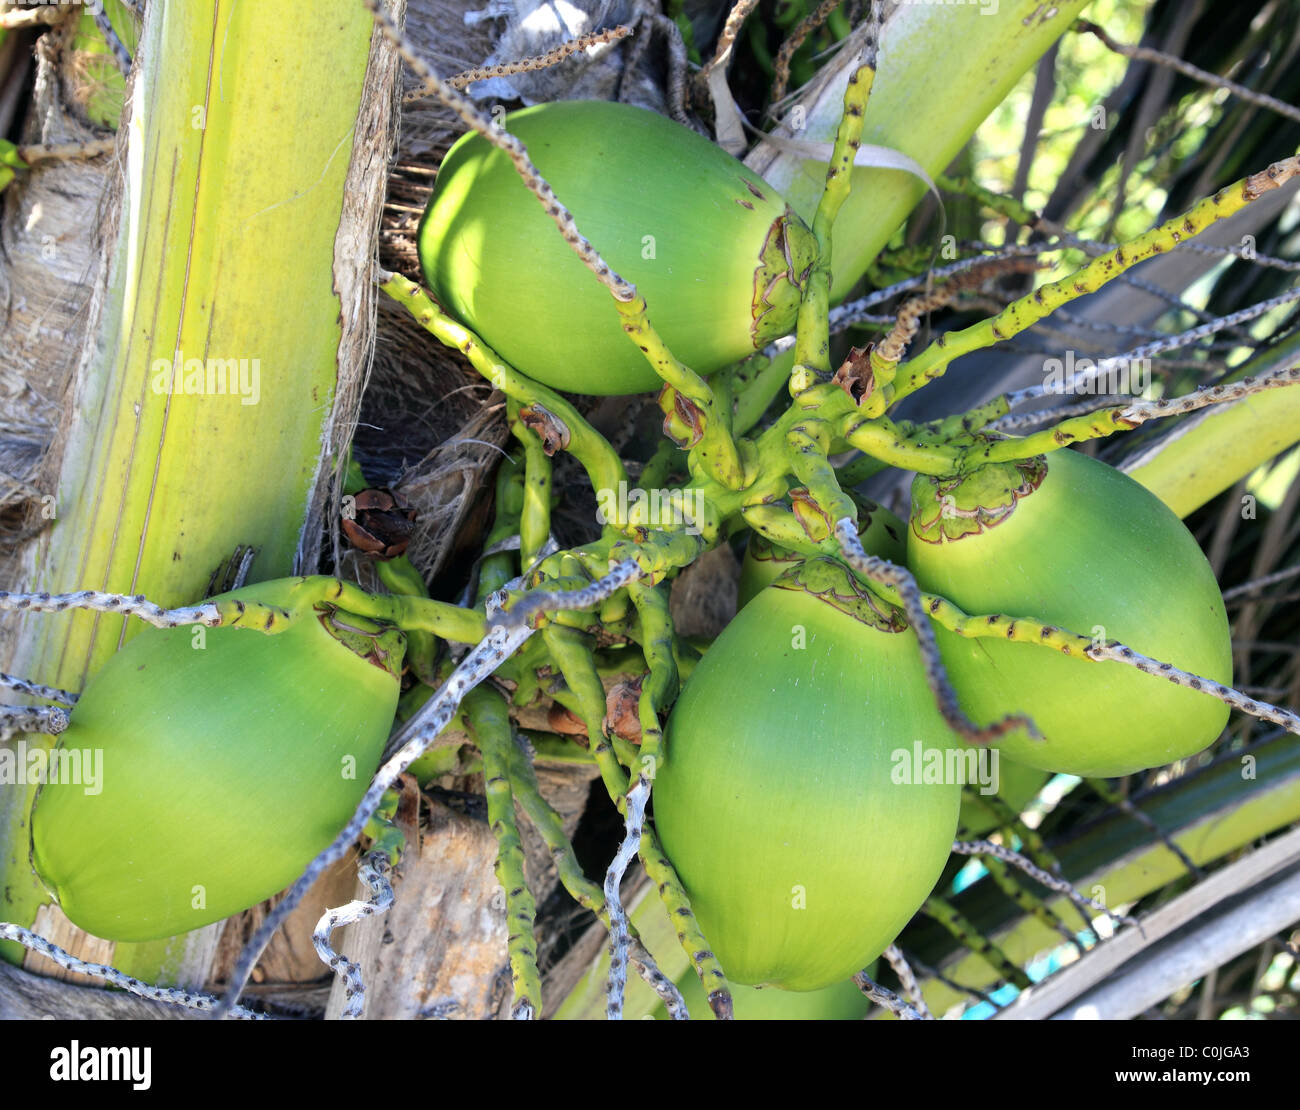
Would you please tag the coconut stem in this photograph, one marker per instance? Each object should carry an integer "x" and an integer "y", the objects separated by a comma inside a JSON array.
[
  {"x": 489, "y": 723},
  {"x": 967, "y": 934},
  {"x": 99, "y": 602},
  {"x": 619, "y": 935},
  {"x": 36, "y": 690},
  {"x": 1029, "y": 904},
  {"x": 570, "y": 650},
  {"x": 588, "y": 446},
  {"x": 48, "y": 719},
  {"x": 173, "y": 996},
  {"x": 882, "y": 996},
  {"x": 809, "y": 443},
  {"x": 1052, "y": 882},
  {"x": 888, "y": 442},
  {"x": 1024, "y": 630},
  {"x": 535, "y": 513},
  {"x": 900, "y": 589},
  {"x": 1081, "y": 380},
  {"x": 812, "y": 342},
  {"x": 660, "y": 686},
  {"x": 689, "y": 935},
  {"x": 1028, "y": 310},
  {"x": 894, "y": 955},
  {"x": 716, "y": 450},
  {"x": 1116, "y": 652},
  {"x": 371, "y": 870},
  {"x": 582, "y": 890}
]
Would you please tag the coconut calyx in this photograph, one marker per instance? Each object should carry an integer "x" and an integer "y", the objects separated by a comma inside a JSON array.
[
  {"x": 785, "y": 260},
  {"x": 832, "y": 583},
  {"x": 954, "y": 506},
  {"x": 378, "y": 644}
]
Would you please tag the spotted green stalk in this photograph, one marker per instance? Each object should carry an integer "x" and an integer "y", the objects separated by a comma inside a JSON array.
[
  {"x": 1120, "y": 801},
  {"x": 716, "y": 449},
  {"x": 1000, "y": 203},
  {"x": 450, "y": 622},
  {"x": 587, "y": 445},
  {"x": 489, "y": 723},
  {"x": 497, "y": 569},
  {"x": 675, "y": 900},
  {"x": 967, "y": 934},
  {"x": 1032, "y": 843},
  {"x": 535, "y": 511},
  {"x": 1033, "y": 307},
  {"x": 809, "y": 442},
  {"x": 1091, "y": 425},
  {"x": 1027, "y": 631},
  {"x": 571, "y": 652},
  {"x": 411, "y": 614},
  {"x": 1006, "y": 882},
  {"x": 659, "y": 687},
  {"x": 1020, "y": 630},
  {"x": 543, "y": 817},
  {"x": 812, "y": 345},
  {"x": 886, "y": 442},
  {"x": 964, "y": 422},
  {"x": 661, "y": 552},
  {"x": 782, "y": 527}
]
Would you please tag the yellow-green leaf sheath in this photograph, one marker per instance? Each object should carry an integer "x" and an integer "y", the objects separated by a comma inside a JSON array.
[
  {"x": 1089, "y": 550},
  {"x": 776, "y": 802},
  {"x": 714, "y": 250},
  {"x": 230, "y": 759}
]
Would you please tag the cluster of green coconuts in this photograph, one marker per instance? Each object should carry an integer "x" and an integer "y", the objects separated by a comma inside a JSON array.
[{"x": 803, "y": 858}]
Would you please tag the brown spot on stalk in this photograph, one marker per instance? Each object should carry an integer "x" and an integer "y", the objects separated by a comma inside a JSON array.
[
  {"x": 855, "y": 376},
  {"x": 548, "y": 427},
  {"x": 681, "y": 413}
]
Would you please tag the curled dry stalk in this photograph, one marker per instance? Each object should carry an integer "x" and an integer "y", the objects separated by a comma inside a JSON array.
[{"x": 372, "y": 870}]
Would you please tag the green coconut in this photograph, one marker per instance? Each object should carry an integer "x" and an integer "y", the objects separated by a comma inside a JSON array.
[
  {"x": 719, "y": 256},
  {"x": 789, "y": 799},
  {"x": 230, "y": 759},
  {"x": 1072, "y": 542},
  {"x": 840, "y": 1002}
]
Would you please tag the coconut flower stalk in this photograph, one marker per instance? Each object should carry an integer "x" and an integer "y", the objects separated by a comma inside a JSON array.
[
  {"x": 976, "y": 52},
  {"x": 223, "y": 363}
]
